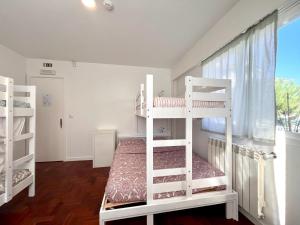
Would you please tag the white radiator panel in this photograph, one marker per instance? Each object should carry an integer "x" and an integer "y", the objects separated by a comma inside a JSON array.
[
  {"x": 246, "y": 182},
  {"x": 253, "y": 188},
  {"x": 245, "y": 173},
  {"x": 239, "y": 177}
]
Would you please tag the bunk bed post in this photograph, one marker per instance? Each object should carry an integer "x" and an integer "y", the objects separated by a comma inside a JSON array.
[
  {"x": 31, "y": 147},
  {"x": 9, "y": 111},
  {"x": 188, "y": 135},
  {"x": 231, "y": 207},
  {"x": 149, "y": 149},
  {"x": 228, "y": 167}
]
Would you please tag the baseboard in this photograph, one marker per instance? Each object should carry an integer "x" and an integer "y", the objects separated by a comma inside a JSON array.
[
  {"x": 250, "y": 217},
  {"x": 79, "y": 158}
]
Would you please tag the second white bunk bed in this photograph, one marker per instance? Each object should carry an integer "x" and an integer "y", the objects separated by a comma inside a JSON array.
[
  {"x": 17, "y": 123},
  {"x": 203, "y": 98}
]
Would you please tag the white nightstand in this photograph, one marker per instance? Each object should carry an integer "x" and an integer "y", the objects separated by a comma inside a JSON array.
[{"x": 104, "y": 142}]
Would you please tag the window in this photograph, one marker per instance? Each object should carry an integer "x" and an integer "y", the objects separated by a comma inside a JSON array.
[
  {"x": 287, "y": 83},
  {"x": 249, "y": 61}
]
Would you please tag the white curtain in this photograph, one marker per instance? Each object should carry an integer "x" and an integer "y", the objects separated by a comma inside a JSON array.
[{"x": 249, "y": 61}]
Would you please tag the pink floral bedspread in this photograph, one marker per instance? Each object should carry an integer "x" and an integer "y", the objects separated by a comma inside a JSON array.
[{"x": 127, "y": 178}]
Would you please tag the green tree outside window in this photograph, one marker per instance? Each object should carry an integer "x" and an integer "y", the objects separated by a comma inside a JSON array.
[{"x": 288, "y": 104}]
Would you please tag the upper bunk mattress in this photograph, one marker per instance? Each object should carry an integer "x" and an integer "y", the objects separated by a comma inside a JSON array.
[
  {"x": 127, "y": 178},
  {"x": 180, "y": 102}
]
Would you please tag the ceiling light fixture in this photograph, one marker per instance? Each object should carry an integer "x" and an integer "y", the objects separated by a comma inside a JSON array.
[{"x": 91, "y": 4}]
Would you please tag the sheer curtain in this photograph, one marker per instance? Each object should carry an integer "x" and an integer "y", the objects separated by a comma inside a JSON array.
[{"x": 249, "y": 61}]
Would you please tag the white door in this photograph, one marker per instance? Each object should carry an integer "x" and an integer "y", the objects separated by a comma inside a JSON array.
[{"x": 49, "y": 119}]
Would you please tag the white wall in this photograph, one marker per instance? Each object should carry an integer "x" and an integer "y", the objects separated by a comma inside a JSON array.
[
  {"x": 292, "y": 180},
  {"x": 244, "y": 14},
  {"x": 12, "y": 65},
  {"x": 101, "y": 96}
]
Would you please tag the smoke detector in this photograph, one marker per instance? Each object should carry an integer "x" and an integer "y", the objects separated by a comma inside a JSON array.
[{"x": 108, "y": 5}]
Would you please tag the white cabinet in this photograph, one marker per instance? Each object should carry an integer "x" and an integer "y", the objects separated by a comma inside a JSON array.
[{"x": 104, "y": 147}]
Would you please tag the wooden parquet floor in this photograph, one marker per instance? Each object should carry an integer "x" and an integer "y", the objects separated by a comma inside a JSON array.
[{"x": 70, "y": 193}]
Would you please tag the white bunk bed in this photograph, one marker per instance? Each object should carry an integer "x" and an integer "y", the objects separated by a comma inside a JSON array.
[
  {"x": 16, "y": 104},
  {"x": 201, "y": 100}
]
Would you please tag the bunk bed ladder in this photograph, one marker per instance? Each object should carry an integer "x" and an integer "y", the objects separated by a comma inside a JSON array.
[{"x": 150, "y": 144}]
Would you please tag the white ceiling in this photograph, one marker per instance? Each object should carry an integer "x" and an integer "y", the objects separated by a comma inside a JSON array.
[{"x": 137, "y": 32}]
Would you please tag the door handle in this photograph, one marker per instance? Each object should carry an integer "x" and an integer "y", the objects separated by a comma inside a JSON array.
[{"x": 60, "y": 122}]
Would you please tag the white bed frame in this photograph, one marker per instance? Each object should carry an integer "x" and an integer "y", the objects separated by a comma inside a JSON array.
[
  {"x": 204, "y": 92},
  {"x": 9, "y": 112}
]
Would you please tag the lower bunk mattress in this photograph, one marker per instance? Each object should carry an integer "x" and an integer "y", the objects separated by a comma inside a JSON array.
[
  {"x": 127, "y": 178},
  {"x": 18, "y": 176}
]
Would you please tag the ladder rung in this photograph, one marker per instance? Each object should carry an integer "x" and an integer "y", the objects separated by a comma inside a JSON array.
[
  {"x": 167, "y": 143},
  {"x": 18, "y": 137},
  {"x": 23, "y": 160},
  {"x": 210, "y": 182},
  {"x": 23, "y": 136},
  {"x": 169, "y": 172},
  {"x": 169, "y": 186},
  {"x": 210, "y": 97}
]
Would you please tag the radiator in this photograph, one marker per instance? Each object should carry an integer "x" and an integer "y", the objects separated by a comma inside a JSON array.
[{"x": 247, "y": 173}]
